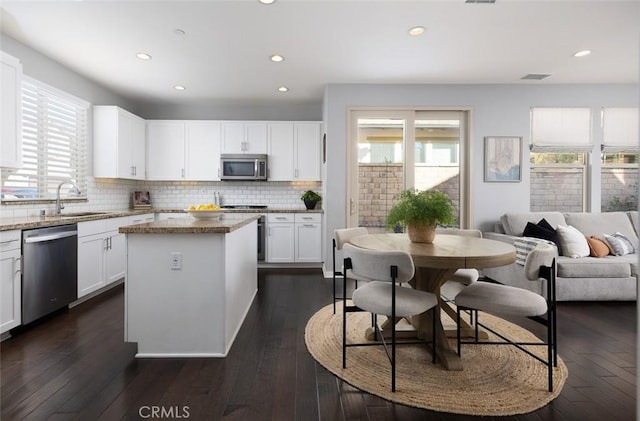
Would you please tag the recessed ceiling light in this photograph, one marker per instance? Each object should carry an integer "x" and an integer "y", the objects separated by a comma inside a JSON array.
[
  {"x": 179, "y": 32},
  {"x": 179, "y": 88},
  {"x": 277, "y": 58},
  {"x": 266, "y": 1},
  {"x": 416, "y": 30},
  {"x": 582, "y": 53},
  {"x": 283, "y": 89},
  {"x": 143, "y": 56}
]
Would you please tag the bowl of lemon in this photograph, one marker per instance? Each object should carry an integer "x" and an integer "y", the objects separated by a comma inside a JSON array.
[{"x": 205, "y": 211}]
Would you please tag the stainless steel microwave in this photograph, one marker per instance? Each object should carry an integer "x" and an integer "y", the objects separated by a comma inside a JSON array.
[{"x": 243, "y": 167}]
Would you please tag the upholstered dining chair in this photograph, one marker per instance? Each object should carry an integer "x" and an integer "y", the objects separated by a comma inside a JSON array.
[
  {"x": 340, "y": 238},
  {"x": 462, "y": 277},
  {"x": 497, "y": 299},
  {"x": 385, "y": 295}
]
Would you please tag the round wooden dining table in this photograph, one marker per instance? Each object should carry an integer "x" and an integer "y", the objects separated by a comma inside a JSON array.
[{"x": 435, "y": 264}]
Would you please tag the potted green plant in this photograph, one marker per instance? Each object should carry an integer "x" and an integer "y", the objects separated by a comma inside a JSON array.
[
  {"x": 310, "y": 199},
  {"x": 420, "y": 212}
]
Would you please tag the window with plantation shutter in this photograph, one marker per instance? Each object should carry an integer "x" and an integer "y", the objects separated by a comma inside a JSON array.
[
  {"x": 54, "y": 146},
  {"x": 620, "y": 130},
  {"x": 560, "y": 144},
  {"x": 561, "y": 130}
]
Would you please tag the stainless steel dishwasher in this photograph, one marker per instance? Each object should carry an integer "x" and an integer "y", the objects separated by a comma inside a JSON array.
[{"x": 50, "y": 270}]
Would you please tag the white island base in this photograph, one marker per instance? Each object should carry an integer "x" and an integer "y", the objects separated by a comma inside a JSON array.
[{"x": 194, "y": 311}]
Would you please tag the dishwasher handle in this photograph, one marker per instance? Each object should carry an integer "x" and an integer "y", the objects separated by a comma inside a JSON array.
[{"x": 56, "y": 236}]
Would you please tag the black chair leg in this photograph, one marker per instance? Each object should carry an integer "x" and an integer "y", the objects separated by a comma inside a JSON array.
[
  {"x": 550, "y": 352},
  {"x": 458, "y": 330},
  {"x": 433, "y": 334},
  {"x": 334, "y": 292},
  {"x": 393, "y": 357},
  {"x": 344, "y": 324},
  {"x": 477, "y": 321}
]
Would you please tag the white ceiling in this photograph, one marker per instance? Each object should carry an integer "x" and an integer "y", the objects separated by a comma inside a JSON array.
[{"x": 224, "y": 55}]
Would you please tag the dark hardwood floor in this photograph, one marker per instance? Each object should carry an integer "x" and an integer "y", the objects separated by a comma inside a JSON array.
[{"x": 75, "y": 366}]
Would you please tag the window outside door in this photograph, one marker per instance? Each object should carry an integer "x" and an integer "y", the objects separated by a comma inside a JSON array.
[{"x": 400, "y": 149}]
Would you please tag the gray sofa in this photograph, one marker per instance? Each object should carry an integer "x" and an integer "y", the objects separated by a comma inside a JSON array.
[{"x": 610, "y": 278}]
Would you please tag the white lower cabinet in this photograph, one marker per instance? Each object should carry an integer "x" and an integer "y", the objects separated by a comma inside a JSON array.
[
  {"x": 294, "y": 238},
  {"x": 10, "y": 280},
  {"x": 308, "y": 237},
  {"x": 141, "y": 219},
  {"x": 280, "y": 238},
  {"x": 102, "y": 252}
]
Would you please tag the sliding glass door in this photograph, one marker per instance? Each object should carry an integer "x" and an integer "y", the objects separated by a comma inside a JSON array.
[{"x": 399, "y": 149}]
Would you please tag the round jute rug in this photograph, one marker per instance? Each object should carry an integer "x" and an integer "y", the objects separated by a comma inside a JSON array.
[{"x": 495, "y": 380}]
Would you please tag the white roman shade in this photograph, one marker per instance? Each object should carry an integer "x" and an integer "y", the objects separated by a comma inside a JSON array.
[
  {"x": 620, "y": 130},
  {"x": 561, "y": 130},
  {"x": 54, "y": 144}
]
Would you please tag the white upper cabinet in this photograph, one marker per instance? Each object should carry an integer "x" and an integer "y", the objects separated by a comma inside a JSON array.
[
  {"x": 281, "y": 165},
  {"x": 183, "y": 150},
  {"x": 10, "y": 112},
  {"x": 294, "y": 151},
  {"x": 307, "y": 151},
  {"x": 165, "y": 143},
  {"x": 203, "y": 150},
  {"x": 118, "y": 143},
  {"x": 244, "y": 137}
]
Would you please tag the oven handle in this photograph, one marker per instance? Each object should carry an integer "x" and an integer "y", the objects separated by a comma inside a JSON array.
[{"x": 39, "y": 239}]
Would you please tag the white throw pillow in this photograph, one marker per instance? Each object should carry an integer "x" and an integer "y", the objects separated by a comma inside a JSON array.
[{"x": 573, "y": 242}]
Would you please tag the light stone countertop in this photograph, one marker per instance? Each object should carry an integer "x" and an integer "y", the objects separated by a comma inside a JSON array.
[
  {"x": 30, "y": 222},
  {"x": 228, "y": 222}
]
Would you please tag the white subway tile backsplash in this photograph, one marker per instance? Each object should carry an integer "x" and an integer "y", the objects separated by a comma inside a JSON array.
[{"x": 115, "y": 195}]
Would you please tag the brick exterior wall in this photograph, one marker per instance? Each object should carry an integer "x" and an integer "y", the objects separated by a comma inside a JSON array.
[
  {"x": 378, "y": 184},
  {"x": 557, "y": 189},
  {"x": 560, "y": 189},
  {"x": 619, "y": 189}
]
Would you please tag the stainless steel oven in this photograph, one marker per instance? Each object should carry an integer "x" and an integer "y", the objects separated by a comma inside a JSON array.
[{"x": 262, "y": 231}]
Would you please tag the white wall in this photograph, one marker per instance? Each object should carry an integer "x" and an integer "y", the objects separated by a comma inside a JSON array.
[
  {"x": 44, "y": 69},
  {"x": 497, "y": 110}
]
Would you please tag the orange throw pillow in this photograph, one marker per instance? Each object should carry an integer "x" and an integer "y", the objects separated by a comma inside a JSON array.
[{"x": 597, "y": 247}]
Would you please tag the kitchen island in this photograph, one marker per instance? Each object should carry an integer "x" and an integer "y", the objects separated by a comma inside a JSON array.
[{"x": 189, "y": 284}]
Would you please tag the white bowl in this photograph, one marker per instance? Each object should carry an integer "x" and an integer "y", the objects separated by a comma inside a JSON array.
[{"x": 205, "y": 214}]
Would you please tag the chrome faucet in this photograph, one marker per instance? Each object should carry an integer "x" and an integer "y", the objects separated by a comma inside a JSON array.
[{"x": 59, "y": 205}]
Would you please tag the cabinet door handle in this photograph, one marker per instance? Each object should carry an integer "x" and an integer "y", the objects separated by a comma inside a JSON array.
[
  {"x": 308, "y": 226},
  {"x": 106, "y": 244},
  {"x": 182, "y": 172},
  {"x": 8, "y": 241}
]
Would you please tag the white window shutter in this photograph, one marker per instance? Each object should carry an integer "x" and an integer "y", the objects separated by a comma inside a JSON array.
[
  {"x": 620, "y": 130},
  {"x": 54, "y": 144},
  {"x": 561, "y": 130}
]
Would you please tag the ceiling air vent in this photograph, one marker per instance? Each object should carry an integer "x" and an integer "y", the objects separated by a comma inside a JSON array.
[
  {"x": 480, "y": 1},
  {"x": 534, "y": 76}
]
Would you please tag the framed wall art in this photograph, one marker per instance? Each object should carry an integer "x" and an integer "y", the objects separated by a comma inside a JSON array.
[
  {"x": 503, "y": 159},
  {"x": 141, "y": 200}
]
